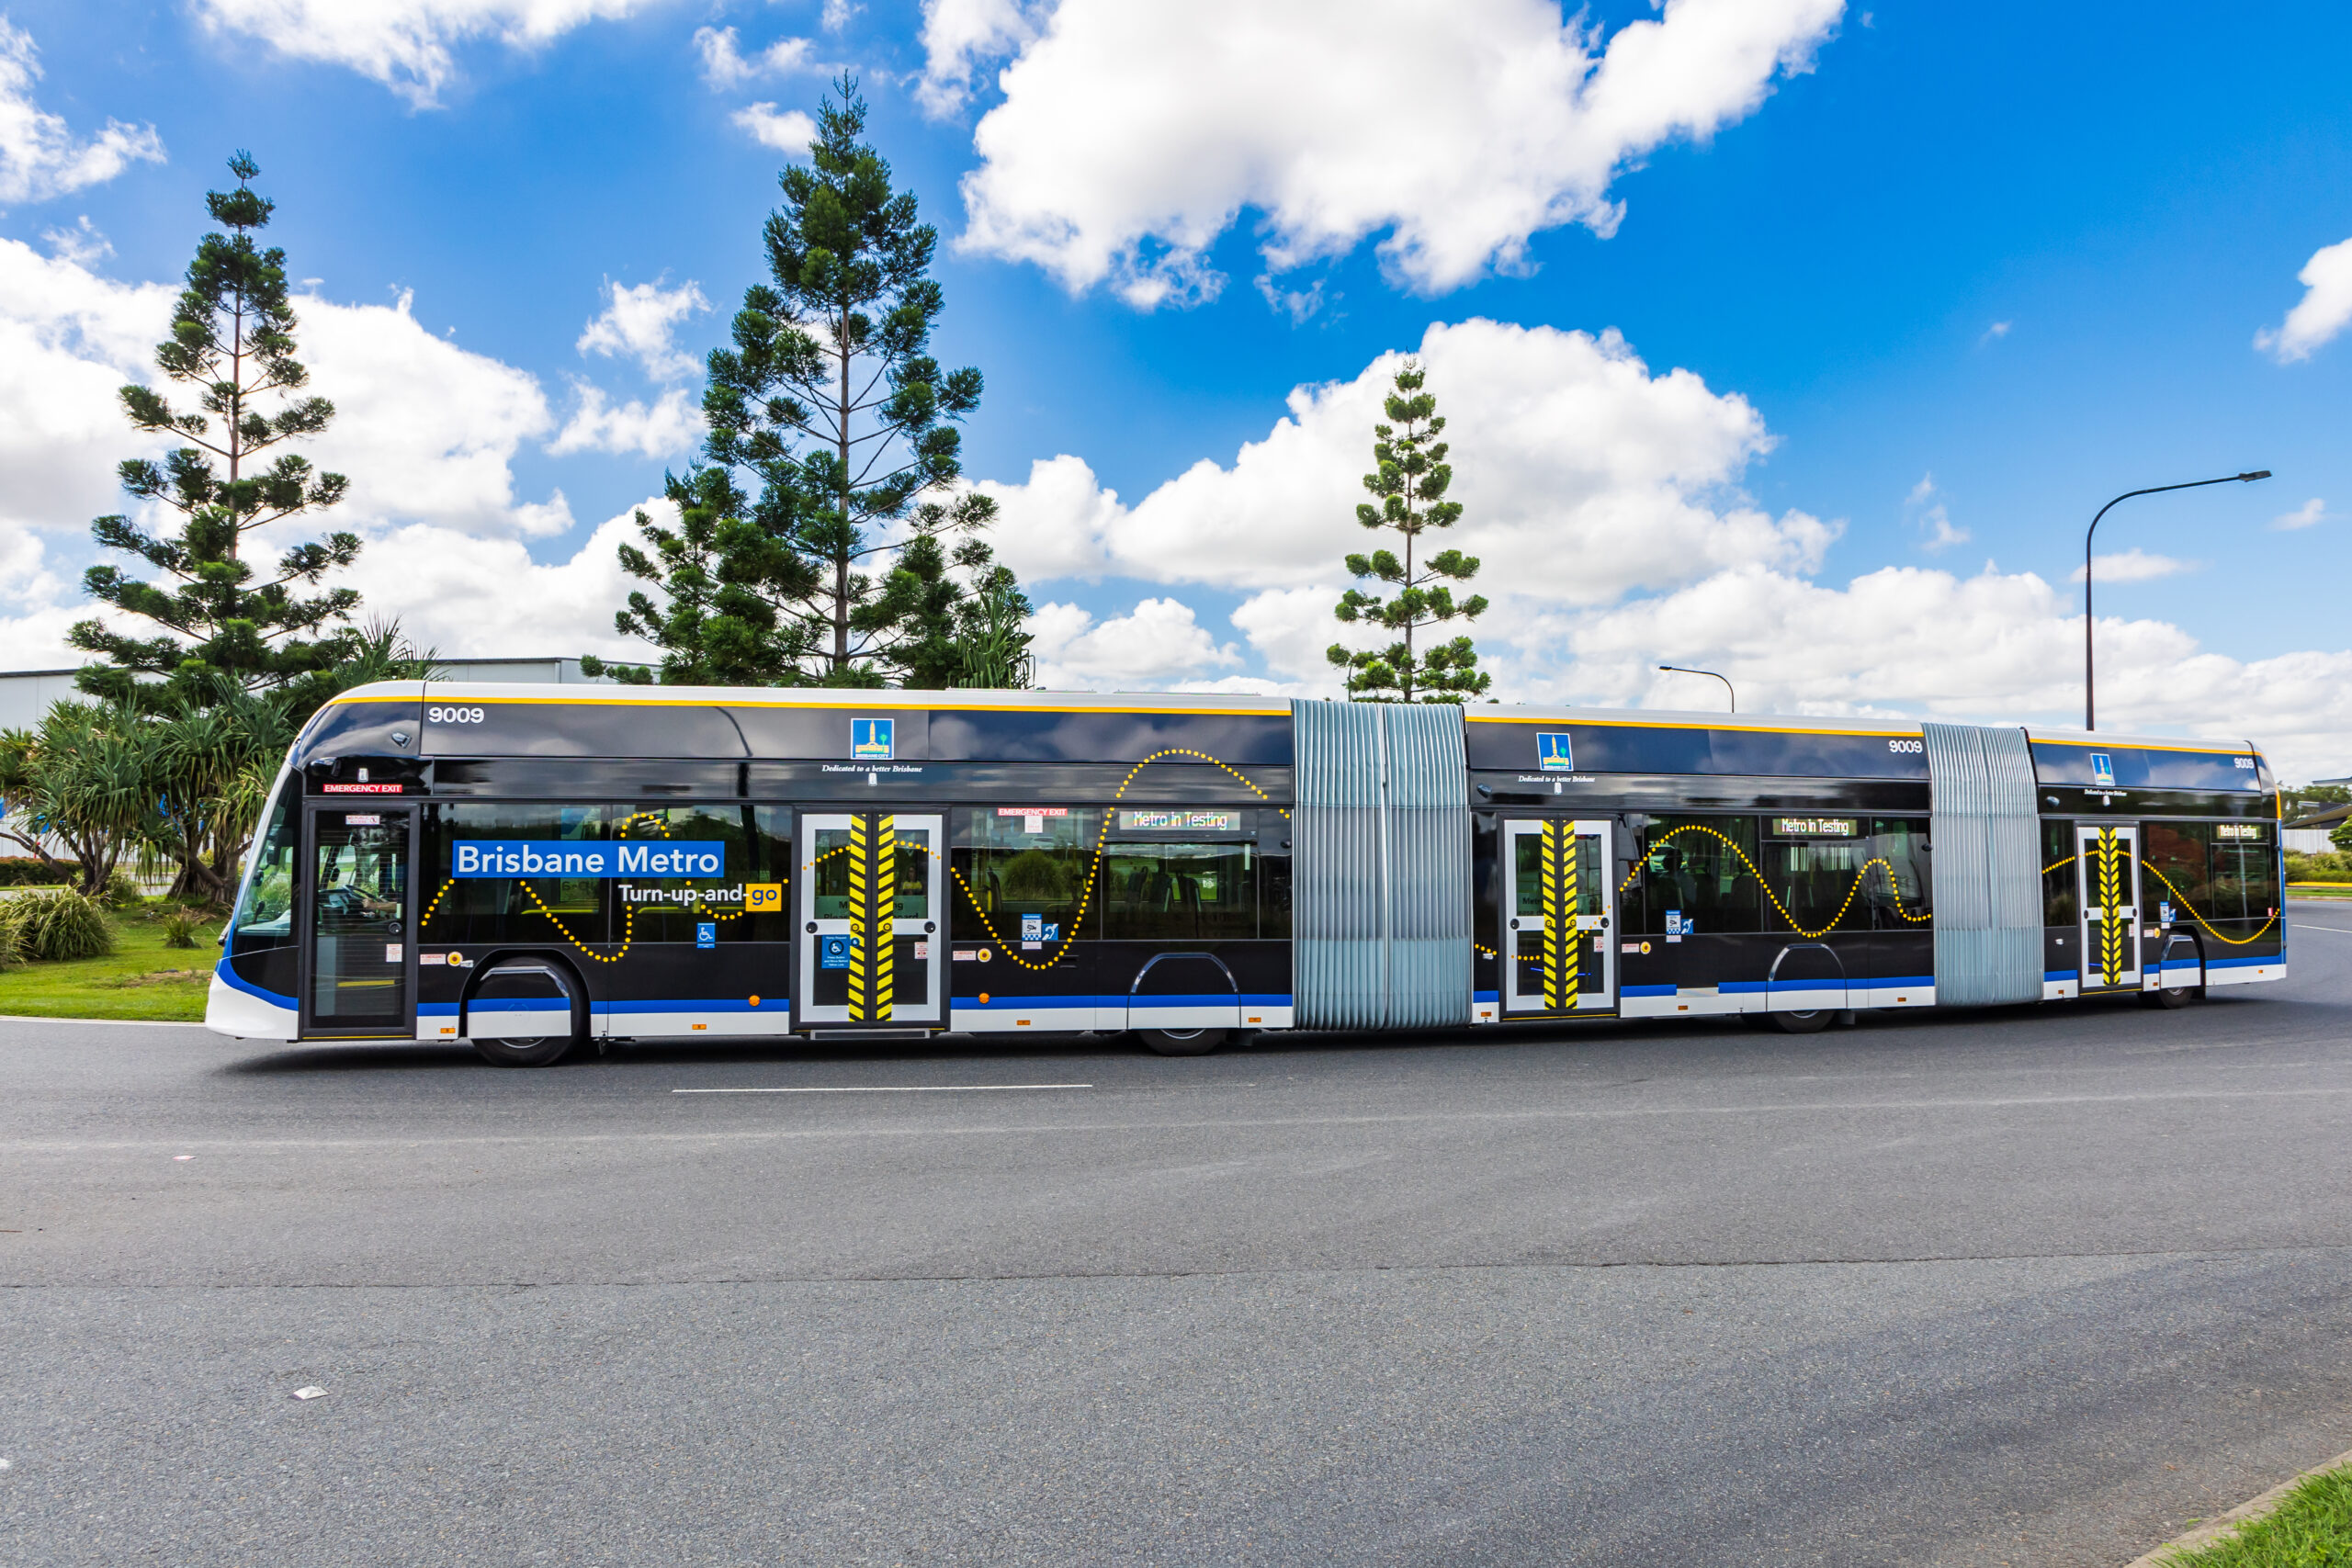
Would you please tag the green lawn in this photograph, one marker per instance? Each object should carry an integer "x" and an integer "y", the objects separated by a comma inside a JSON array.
[
  {"x": 142, "y": 978},
  {"x": 2311, "y": 1529}
]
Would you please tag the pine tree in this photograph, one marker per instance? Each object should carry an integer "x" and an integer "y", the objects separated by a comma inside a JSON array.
[
  {"x": 1411, "y": 483},
  {"x": 831, "y": 400},
  {"x": 968, "y": 633},
  {"x": 232, "y": 339}
]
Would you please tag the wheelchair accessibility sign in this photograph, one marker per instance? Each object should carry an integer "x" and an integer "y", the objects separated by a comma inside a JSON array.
[{"x": 833, "y": 952}]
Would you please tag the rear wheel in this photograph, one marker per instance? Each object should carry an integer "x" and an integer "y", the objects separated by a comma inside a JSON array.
[
  {"x": 535, "y": 983},
  {"x": 1182, "y": 1042},
  {"x": 1811, "y": 1020},
  {"x": 2169, "y": 996}
]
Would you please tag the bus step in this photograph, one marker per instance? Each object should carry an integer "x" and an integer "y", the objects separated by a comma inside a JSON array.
[{"x": 872, "y": 1033}]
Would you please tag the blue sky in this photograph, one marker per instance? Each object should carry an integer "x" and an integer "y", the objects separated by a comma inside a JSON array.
[{"x": 1937, "y": 271}]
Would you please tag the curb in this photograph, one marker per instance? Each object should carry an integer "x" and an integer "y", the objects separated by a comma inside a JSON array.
[{"x": 2206, "y": 1534}]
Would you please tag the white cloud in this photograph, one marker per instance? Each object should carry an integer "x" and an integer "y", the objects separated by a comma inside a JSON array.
[
  {"x": 405, "y": 44},
  {"x": 724, "y": 67},
  {"x": 82, "y": 244},
  {"x": 1582, "y": 476},
  {"x": 1157, "y": 642},
  {"x": 959, "y": 35},
  {"x": 1133, "y": 133},
  {"x": 640, "y": 322},
  {"x": 38, "y": 155},
  {"x": 671, "y": 423},
  {"x": 1292, "y": 629},
  {"x": 788, "y": 131},
  {"x": 1997, "y": 330},
  {"x": 426, "y": 430},
  {"x": 34, "y": 610},
  {"x": 2308, "y": 514},
  {"x": 1932, "y": 517},
  {"x": 2137, "y": 565},
  {"x": 2325, "y": 306},
  {"x": 466, "y": 595}
]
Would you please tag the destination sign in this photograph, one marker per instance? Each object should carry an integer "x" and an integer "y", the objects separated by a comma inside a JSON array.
[
  {"x": 1815, "y": 827},
  {"x": 1179, "y": 821},
  {"x": 523, "y": 857},
  {"x": 2240, "y": 832}
]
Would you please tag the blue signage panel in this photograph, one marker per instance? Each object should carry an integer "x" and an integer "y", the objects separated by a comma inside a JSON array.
[
  {"x": 1554, "y": 752},
  {"x": 555, "y": 857},
  {"x": 832, "y": 953},
  {"x": 2103, "y": 770},
  {"x": 705, "y": 934},
  {"x": 870, "y": 739}
]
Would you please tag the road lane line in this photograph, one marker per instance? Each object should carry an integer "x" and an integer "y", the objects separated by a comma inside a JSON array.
[
  {"x": 894, "y": 1089},
  {"x": 2339, "y": 931}
]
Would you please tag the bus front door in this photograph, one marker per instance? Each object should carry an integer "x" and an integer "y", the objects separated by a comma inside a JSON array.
[
  {"x": 873, "y": 908},
  {"x": 358, "y": 903},
  {"x": 1559, "y": 954},
  {"x": 2108, "y": 875}
]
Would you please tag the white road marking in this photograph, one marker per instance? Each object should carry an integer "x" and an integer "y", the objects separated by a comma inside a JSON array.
[
  {"x": 893, "y": 1088},
  {"x": 2339, "y": 931}
]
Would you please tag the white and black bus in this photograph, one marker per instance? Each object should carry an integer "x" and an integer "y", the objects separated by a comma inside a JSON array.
[{"x": 527, "y": 869}]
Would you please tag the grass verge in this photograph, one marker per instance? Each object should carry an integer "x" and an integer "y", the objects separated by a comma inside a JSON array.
[
  {"x": 141, "y": 978},
  {"x": 2311, "y": 1527}
]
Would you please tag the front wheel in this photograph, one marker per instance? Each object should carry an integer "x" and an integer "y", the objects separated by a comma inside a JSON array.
[
  {"x": 1812, "y": 1021},
  {"x": 1182, "y": 1042},
  {"x": 2167, "y": 997}
]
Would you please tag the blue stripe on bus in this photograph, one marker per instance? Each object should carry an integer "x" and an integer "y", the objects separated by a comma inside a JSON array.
[
  {"x": 238, "y": 983},
  {"x": 527, "y": 1004}
]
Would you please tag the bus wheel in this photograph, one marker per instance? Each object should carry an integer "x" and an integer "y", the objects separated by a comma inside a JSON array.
[
  {"x": 1182, "y": 1042},
  {"x": 539, "y": 980},
  {"x": 2166, "y": 997},
  {"x": 1810, "y": 1021}
]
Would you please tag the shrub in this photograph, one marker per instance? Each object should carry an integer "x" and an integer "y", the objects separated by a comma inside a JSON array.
[
  {"x": 63, "y": 924},
  {"x": 2302, "y": 867},
  {"x": 12, "y": 940},
  {"x": 180, "y": 927},
  {"x": 24, "y": 870},
  {"x": 121, "y": 891}
]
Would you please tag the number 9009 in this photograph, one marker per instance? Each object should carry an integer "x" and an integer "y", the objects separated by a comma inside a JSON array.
[
  {"x": 454, "y": 715},
  {"x": 1912, "y": 746}
]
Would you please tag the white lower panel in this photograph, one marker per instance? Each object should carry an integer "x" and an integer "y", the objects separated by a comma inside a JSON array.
[
  {"x": 2247, "y": 974},
  {"x": 699, "y": 1025},
  {"x": 1140, "y": 1017},
  {"x": 1268, "y": 1017},
  {"x": 2059, "y": 990},
  {"x": 515, "y": 1023},
  {"x": 1006, "y": 1021},
  {"x": 1691, "y": 1004},
  {"x": 1892, "y": 996},
  {"x": 228, "y": 1010}
]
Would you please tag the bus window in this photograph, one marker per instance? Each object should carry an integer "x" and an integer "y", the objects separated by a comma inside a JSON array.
[
  {"x": 2058, "y": 879},
  {"x": 1698, "y": 869},
  {"x": 1026, "y": 868},
  {"x": 2176, "y": 868},
  {"x": 1902, "y": 892},
  {"x": 510, "y": 908},
  {"x": 1813, "y": 863},
  {"x": 2245, "y": 872},
  {"x": 1169, "y": 892},
  {"x": 261, "y": 933}
]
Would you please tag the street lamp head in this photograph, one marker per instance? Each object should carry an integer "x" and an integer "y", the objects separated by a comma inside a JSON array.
[{"x": 2257, "y": 474}]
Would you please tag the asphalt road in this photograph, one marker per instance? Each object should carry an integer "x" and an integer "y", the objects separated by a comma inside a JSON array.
[{"x": 2037, "y": 1287}]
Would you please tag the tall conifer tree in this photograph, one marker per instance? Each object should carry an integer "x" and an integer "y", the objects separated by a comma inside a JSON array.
[
  {"x": 1411, "y": 482},
  {"x": 232, "y": 341},
  {"x": 830, "y": 397}
]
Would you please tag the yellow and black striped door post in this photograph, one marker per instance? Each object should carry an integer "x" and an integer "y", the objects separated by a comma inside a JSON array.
[
  {"x": 1562, "y": 940},
  {"x": 2110, "y": 936},
  {"x": 873, "y": 899}
]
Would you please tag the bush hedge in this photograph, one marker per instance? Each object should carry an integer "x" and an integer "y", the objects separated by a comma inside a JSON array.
[
  {"x": 63, "y": 924},
  {"x": 24, "y": 870}
]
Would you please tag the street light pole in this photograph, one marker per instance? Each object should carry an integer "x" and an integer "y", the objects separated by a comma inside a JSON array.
[
  {"x": 1679, "y": 670},
  {"x": 2091, "y": 711}
]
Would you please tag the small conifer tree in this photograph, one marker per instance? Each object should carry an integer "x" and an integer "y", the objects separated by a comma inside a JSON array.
[{"x": 1411, "y": 482}]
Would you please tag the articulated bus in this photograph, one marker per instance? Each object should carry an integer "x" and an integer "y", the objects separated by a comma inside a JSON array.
[{"x": 527, "y": 869}]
